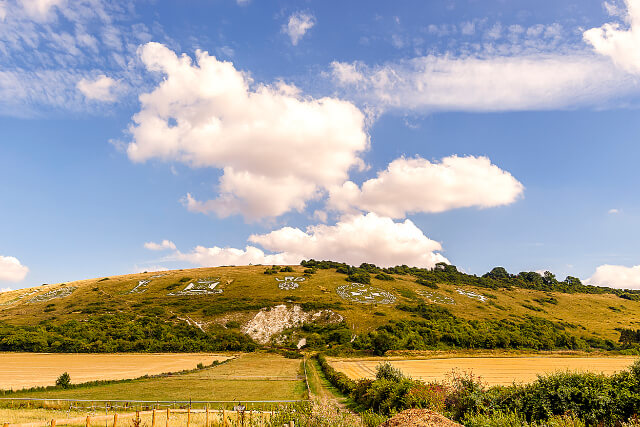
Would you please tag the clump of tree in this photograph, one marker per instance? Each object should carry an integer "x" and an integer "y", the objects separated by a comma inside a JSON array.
[
  {"x": 497, "y": 278},
  {"x": 441, "y": 329},
  {"x": 114, "y": 333},
  {"x": 64, "y": 380}
]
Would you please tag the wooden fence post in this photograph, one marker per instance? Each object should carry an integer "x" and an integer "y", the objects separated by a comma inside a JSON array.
[
  {"x": 88, "y": 424},
  {"x": 188, "y": 416},
  {"x": 53, "y": 422},
  {"x": 153, "y": 418},
  {"x": 206, "y": 421},
  {"x": 168, "y": 415},
  {"x": 115, "y": 419}
]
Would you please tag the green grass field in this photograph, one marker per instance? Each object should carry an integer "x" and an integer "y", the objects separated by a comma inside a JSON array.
[
  {"x": 254, "y": 376},
  {"x": 246, "y": 290}
]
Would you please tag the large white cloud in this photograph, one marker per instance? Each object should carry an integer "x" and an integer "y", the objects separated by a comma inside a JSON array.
[
  {"x": 11, "y": 270},
  {"x": 621, "y": 44},
  {"x": 616, "y": 276},
  {"x": 216, "y": 256},
  {"x": 354, "y": 239},
  {"x": 277, "y": 148},
  {"x": 495, "y": 83},
  {"x": 417, "y": 185}
]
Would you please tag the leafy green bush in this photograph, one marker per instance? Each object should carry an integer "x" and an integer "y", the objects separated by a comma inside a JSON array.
[
  {"x": 387, "y": 371},
  {"x": 337, "y": 379},
  {"x": 427, "y": 283},
  {"x": 64, "y": 380}
]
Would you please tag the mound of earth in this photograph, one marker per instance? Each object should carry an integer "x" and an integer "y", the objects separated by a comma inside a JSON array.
[{"x": 419, "y": 418}]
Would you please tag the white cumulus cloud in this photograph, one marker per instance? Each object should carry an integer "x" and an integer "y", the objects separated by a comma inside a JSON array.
[
  {"x": 298, "y": 25},
  {"x": 216, "y": 256},
  {"x": 616, "y": 276},
  {"x": 618, "y": 42},
  {"x": 277, "y": 148},
  {"x": 418, "y": 185},
  {"x": 100, "y": 89},
  {"x": 164, "y": 245},
  {"x": 11, "y": 270},
  {"x": 354, "y": 239}
]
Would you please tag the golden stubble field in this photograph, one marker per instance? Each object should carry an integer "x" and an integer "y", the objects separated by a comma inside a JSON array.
[
  {"x": 492, "y": 370},
  {"x": 24, "y": 370}
]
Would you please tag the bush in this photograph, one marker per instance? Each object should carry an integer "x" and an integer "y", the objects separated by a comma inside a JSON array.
[
  {"x": 337, "y": 379},
  {"x": 64, "y": 380},
  {"x": 427, "y": 283},
  {"x": 359, "y": 276},
  {"x": 387, "y": 371}
]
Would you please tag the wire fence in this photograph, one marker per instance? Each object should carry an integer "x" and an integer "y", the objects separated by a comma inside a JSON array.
[
  {"x": 139, "y": 413},
  {"x": 159, "y": 418}
]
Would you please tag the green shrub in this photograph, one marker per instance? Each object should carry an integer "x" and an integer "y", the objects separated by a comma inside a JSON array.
[
  {"x": 387, "y": 371},
  {"x": 64, "y": 380},
  {"x": 337, "y": 379},
  {"x": 427, "y": 283}
]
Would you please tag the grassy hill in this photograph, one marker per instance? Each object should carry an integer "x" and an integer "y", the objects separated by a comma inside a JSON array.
[{"x": 220, "y": 302}]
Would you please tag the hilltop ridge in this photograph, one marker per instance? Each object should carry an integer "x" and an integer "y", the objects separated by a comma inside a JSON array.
[{"x": 317, "y": 305}]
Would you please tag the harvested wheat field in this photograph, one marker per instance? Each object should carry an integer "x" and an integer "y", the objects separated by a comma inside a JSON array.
[
  {"x": 492, "y": 370},
  {"x": 24, "y": 370}
]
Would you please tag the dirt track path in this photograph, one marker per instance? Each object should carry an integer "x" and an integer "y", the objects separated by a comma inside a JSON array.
[{"x": 320, "y": 386}]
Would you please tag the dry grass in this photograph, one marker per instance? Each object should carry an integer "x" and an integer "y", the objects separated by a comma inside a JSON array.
[
  {"x": 125, "y": 419},
  {"x": 24, "y": 370},
  {"x": 248, "y": 377},
  {"x": 493, "y": 371}
]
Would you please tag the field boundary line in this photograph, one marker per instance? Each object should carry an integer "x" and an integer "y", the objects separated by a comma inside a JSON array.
[
  {"x": 306, "y": 378},
  {"x": 88, "y": 419},
  {"x": 40, "y": 399}
]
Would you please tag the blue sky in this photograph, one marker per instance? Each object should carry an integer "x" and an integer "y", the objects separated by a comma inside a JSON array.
[{"x": 153, "y": 135}]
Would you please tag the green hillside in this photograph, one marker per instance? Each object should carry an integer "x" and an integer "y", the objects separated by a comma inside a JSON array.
[{"x": 401, "y": 308}]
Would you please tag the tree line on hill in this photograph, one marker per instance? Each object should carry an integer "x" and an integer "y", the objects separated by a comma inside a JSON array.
[
  {"x": 497, "y": 278},
  {"x": 113, "y": 333},
  {"x": 438, "y": 328}
]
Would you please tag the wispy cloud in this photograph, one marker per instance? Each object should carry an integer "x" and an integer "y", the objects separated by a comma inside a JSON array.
[{"x": 298, "y": 25}]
